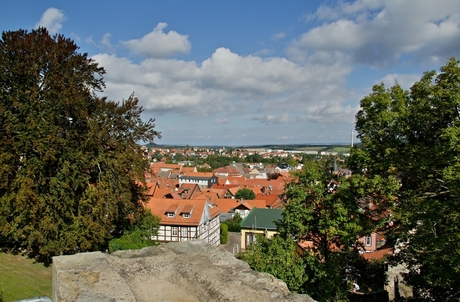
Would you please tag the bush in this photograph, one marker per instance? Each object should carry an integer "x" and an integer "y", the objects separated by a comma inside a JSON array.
[
  {"x": 138, "y": 235},
  {"x": 246, "y": 194},
  {"x": 131, "y": 241},
  {"x": 234, "y": 224},
  {"x": 223, "y": 233}
]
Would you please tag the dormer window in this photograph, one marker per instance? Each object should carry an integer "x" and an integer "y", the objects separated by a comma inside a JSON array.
[
  {"x": 187, "y": 210},
  {"x": 171, "y": 210}
]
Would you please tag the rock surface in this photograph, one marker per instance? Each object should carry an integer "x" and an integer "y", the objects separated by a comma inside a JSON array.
[{"x": 186, "y": 271}]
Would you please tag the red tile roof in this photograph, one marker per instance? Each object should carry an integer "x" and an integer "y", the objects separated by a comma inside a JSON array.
[
  {"x": 378, "y": 254},
  {"x": 160, "y": 206}
]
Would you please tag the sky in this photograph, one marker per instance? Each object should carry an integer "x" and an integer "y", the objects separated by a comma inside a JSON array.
[{"x": 244, "y": 73}]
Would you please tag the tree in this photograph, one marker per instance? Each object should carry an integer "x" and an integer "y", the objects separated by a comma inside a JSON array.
[
  {"x": 414, "y": 136},
  {"x": 276, "y": 256},
  {"x": 138, "y": 235},
  {"x": 328, "y": 222},
  {"x": 245, "y": 194},
  {"x": 330, "y": 219},
  {"x": 71, "y": 173}
]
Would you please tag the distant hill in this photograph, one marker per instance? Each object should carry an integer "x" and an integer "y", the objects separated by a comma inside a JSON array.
[{"x": 268, "y": 146}]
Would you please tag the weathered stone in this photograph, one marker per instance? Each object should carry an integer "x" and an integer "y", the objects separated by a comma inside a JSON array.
[{"x": 182, "y": 271}]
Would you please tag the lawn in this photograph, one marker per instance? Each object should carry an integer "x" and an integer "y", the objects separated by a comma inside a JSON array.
[
  {"x": 342, "y": 149},
  {"x": 21, "y": 278}
]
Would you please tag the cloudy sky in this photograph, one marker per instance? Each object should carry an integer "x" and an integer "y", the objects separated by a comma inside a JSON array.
[{"x": 241, "y": 72}]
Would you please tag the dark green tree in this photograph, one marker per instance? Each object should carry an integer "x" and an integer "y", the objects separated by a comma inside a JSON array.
[
  {"x": 326, "y": 212},
  {"x": 278, "y": 257},
  {"x": 415, "y": 136},
  {"x": 138, "y": 234},
  {"x": 71, "y": 173},
  {"x": 324, "y": 216},
  {"x": 245, "y": 193}
]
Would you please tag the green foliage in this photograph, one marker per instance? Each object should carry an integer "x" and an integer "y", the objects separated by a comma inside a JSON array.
[
  {"x": 245, "y": 194},
  {"x": 234, "y": 224},
  {"x": 276, "y": 256},
  {"x": 138, "y": 235},
  {"x": 71, "y": 172},
  {"x": 414, "y": 136},
  {"x": 223, "y": 233},
  {"x": 331, "y": 223}
]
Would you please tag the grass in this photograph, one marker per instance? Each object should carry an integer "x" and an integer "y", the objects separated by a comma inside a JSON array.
[
  {"x": 341, "y": 149},
  {"x": 21, "y": 278}
]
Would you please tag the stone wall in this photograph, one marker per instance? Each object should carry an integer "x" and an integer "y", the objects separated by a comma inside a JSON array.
[{"x": 185, "y": 271}]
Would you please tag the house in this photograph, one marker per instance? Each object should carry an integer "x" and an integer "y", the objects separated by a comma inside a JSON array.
[
  {"x": 182, "y": 220},
  {"x": 188, "y": 191},
  {"x": 272, "y": 201},
  {"x": 240, "y": 206},
  {"x": 259, "y": 221},
  {"x": 204, "y": 180}
]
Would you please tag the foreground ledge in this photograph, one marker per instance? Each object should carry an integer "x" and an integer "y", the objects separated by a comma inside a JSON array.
[{"x": 186, "y": 271}]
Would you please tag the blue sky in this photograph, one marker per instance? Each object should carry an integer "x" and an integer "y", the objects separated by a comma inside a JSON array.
[{"x": 253, "y": 72}]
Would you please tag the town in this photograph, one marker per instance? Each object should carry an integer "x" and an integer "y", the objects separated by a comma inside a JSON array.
[{"x": 299, "y": 151}]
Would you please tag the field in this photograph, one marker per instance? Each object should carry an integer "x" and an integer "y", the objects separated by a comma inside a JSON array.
[
  {"x": 342, "y": 149},
  {"x": 21, "y": 278}
]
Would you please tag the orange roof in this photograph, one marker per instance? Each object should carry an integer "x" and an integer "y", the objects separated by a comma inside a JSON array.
[
  {"x": 210, "y": 196},
  {"x": 255, "y": 203},
  {"x": 271, "y": 200},
  {"x": 199, "y": 174},
  {"x": 378, "y": 254},
  {"x": 234, "y": 190},
  {"x": 186, "y": 170},
  {"x": 160, "y": 206},
  {"x": 219, "y": 192},
  {"x": 214, "y": 211},
  {"x": 228, "y": 204},
  {"x": 161, "y": 193}
]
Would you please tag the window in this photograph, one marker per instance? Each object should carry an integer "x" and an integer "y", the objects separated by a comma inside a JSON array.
[
  {"x": 250, "y": 239},
  {"x": 368, "y": 241},
  {"x": 170, "y": 214},
  {"x": 186, "y": 215},
  {"x": 183, "y": 232},
  {"x": 174, "y": 231}
]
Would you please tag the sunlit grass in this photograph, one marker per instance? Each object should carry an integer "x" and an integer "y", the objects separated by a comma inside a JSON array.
[{"x": 22, "y": 278}]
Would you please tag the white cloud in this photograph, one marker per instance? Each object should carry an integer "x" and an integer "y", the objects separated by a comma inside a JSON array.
[
  {"x": 105, "y": 41},
  {"x": 249, "y": 87},
  {"x": 220, "y": 121},
  {"x": 285, "y": 137},
  {"x": 52, "y": 19},
  {"x": 278, "y": 36},
  {"x": 404, "y": 80},
  {"x": 90, "y": 40},
  {"x": 158, "y": 44},
  {"x": 379, "y": 32}
]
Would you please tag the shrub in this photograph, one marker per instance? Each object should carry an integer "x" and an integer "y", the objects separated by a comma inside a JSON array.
[
  {"x": 138, "y": 235},
  {"x": 234, "y": 223},
  {"x": 223, "y": 233}
]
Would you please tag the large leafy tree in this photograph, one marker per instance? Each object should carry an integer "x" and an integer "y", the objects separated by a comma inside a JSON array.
[
  {"x": 71, "y": 173},
  {"x": 330, "y": 219},
  {"x": 414, "y": 136},
  {"x": 324, "y": 216}
]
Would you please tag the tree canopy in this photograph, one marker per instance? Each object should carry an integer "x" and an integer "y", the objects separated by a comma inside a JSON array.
[
  {"x": 323, "y": 215},
  {"x": 71, "y": 172},
  {"x": 245, "y": 193},
  {"x": 414, "y": 136}
]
